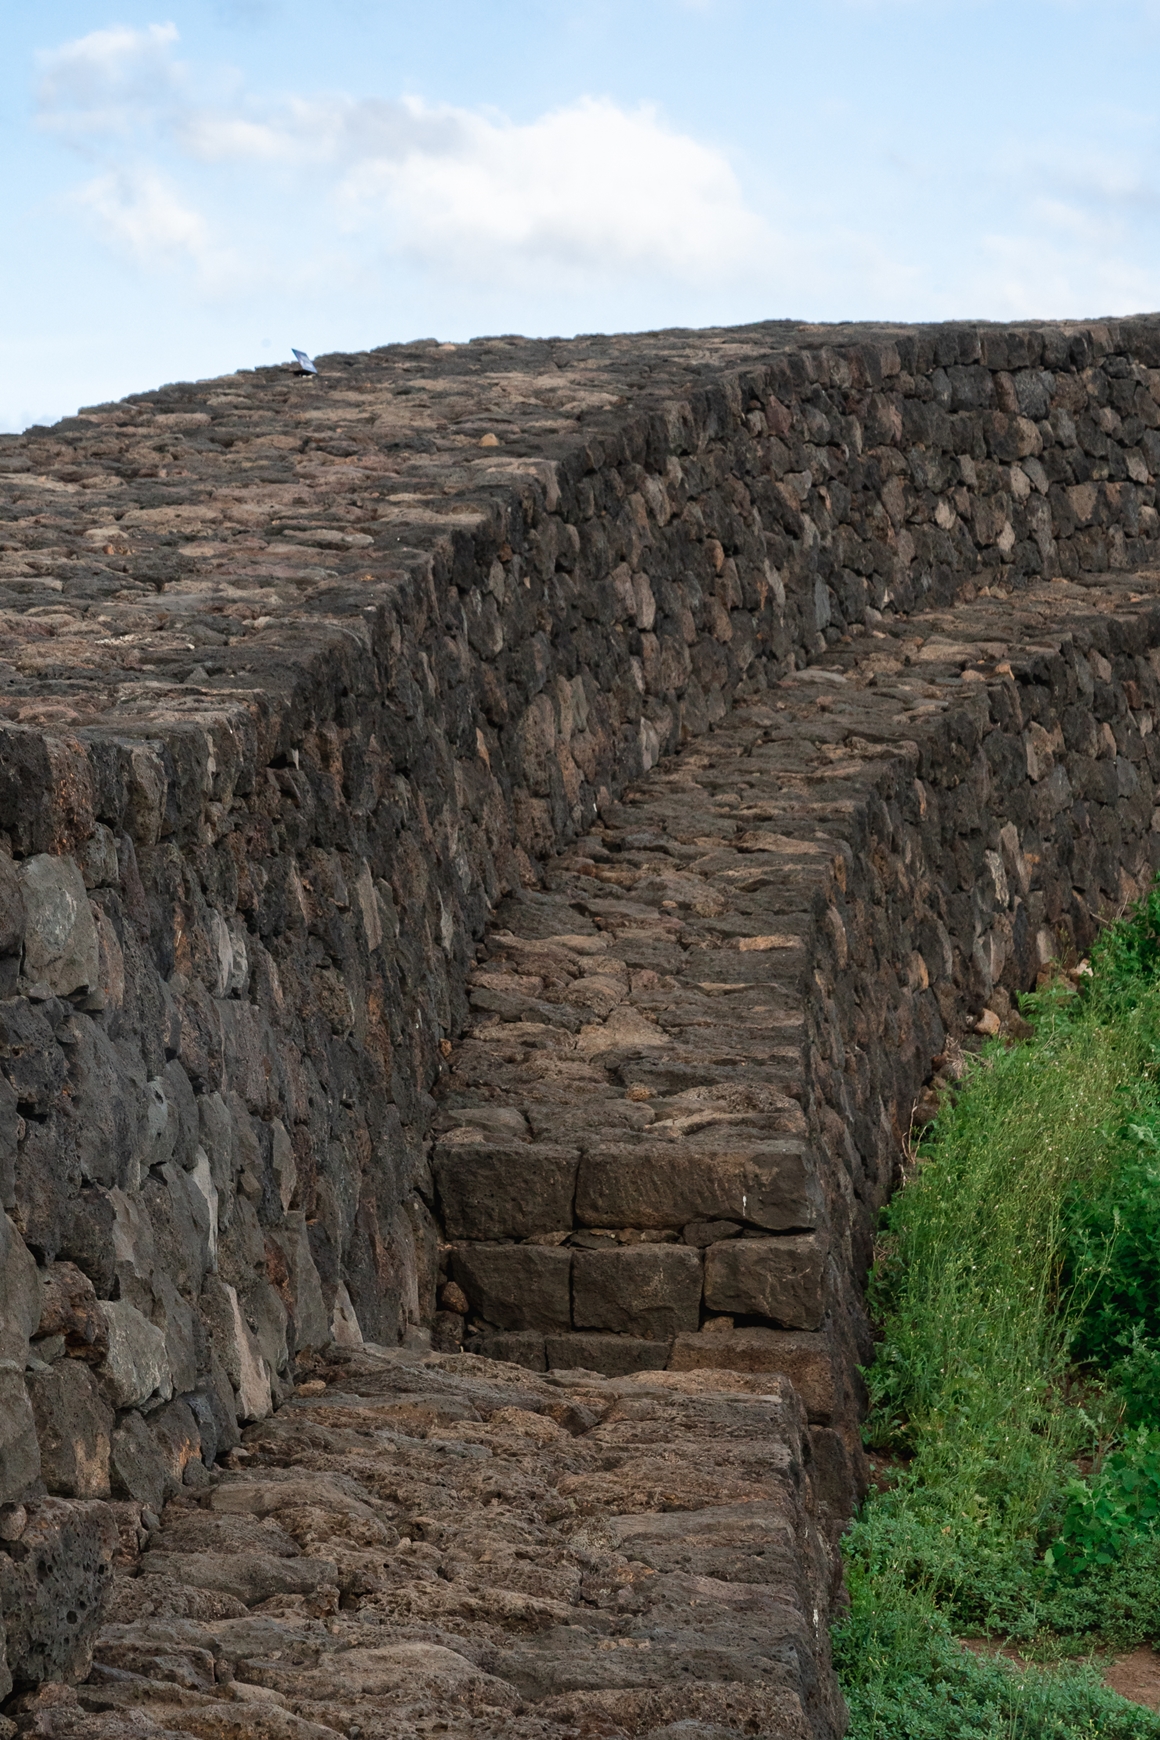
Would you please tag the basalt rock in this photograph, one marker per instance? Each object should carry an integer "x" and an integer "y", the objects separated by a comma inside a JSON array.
[{"x": 778, "y": 702}]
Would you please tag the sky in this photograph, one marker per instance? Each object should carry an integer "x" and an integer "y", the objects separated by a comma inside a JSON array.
[{"x": 193, "y": 186}]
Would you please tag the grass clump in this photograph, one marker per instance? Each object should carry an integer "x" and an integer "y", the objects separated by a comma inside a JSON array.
[{"x": 1017, "y": 1383}]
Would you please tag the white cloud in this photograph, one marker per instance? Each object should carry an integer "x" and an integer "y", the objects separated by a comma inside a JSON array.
[
  {"x": 109, "y": 81},
  {"x": 591, "y": 187},
  {"x": 143, "y": 213}
]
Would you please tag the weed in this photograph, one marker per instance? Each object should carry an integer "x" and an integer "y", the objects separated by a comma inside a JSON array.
[{"x": 1019, "y": 1286}]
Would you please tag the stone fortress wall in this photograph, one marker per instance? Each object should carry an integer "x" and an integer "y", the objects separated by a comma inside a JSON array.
[{"x": 302, "y": 680}]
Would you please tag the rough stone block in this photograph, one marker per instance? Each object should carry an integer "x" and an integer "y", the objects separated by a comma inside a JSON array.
[
  {"x": 74, "y": 1427},
  {"x": 311, "y": 1328},
  {"x": 69, "y": 1307},
  {"x": 138, "y": 1466},
  {"x": 237, "y": 1347},
  {"x": 19, "y": 1450},
  {"x": 612, "y": 1355},
  {"x": 53, "y": 1581},
  {"x": 137, "y": 1364},
  {"x": 175, "y": 1431},
  {"x": 509, "y": 1190},
  {"x": 805, "y": 1358},
  {"x": 60, "y": 938},
  {"x": 517, "y": 1286},
  {"x": 651, "y": 1291},
  {"x": 20, "y": 1293},
  {"x": 768, "y": 1184},
  {"x": 777, "y": 1278}
]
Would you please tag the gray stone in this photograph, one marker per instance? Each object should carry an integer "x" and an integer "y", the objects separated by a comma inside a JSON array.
[
  {"x": 74, "y": 1427},
  {"x": 806, "y": 1359},
  {"x": 60, "y": 938},
  {"x": 782, "y": 1279},
  {"x": 649, "y": 1291},
  {"x": 175, "y": 1431},
  {"x": 137, "y": 1364},
  {"x": 87, "y": 1240},
  {"x": 11, "y": 908},
  {"x": 238, "y": 1349},
  {"x": 251, "y": 1577},
  {"x": 770, "y": 1184},
  {"x": 614, "y": 1355},
  {"x": 516, "y": 1346},
  {"x": 20, "y": 1293},
  {"x": 214, "y": 1408},
  {"x": 516, "y": 1286},
  {"x": 178, "y": 1326},
  {"x": 138, "y": 1464},
  {"x": 53, "y": 1596},
  {"x": 179, "y": 1215},
  {"x": 106, "y": 1109},
  {"x": 19, "y": 1450},
  {"x": 69, "y": 1308},
  {"x": 493, "y": 1191},
  {"x": 29, "y": 1055},
  {"x": 183, "y": 1118},
  {"x": 310, "y": 1325},
  {"x": 134, "y": 1249},
  {"x": 98, "y": 859}
]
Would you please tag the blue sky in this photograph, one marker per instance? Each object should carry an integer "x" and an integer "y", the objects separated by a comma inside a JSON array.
[{"x": 197, "y": 186}]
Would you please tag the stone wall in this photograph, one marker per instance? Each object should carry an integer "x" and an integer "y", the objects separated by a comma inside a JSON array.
[{"x": 300, "y": 677}]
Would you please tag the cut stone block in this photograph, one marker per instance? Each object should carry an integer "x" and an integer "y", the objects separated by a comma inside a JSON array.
[
  {"x": 612, "y": 1355},
  {"x": 768, "y": 1184},
  {"x": 805, "y": 1358},
  {"x": 517, "y": 1286},
  {"x": 505, "y": 1190},
  {"x": 517, "y": 1346},
  {"x": 651, "y": 1291},
  {"x": 777, "y": 1278}
]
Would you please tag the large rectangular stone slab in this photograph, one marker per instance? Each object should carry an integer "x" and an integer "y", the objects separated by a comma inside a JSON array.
[
  {"x": 517, "y": 1286},
  {"x": 651, "y": 1291},
  {"x": 769, "y": 1184},
  {"x": 803, "y": 1356},
  {"x": 612, "y": 1355},
  {"x": 505, "y": 1189},
  {"x": 782, "y": 1279}
]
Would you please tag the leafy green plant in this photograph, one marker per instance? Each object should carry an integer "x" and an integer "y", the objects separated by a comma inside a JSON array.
[
  {"x": 1125, "y": 959},
  {"x": 1112, "y": 1256},
  {"x": 1117, "y": 1506}
]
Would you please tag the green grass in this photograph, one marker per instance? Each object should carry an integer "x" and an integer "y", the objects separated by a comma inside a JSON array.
[{"x": 1018, "y": 1291}]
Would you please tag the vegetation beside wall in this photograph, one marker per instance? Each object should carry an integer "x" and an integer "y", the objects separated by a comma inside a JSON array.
[{"x": 1015, "y": 1394}]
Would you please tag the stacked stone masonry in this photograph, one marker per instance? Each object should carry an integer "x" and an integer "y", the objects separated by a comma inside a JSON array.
[{"x": 304, "y": 684}]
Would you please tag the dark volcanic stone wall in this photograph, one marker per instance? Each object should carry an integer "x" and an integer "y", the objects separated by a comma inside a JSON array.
[{"x": 299, "y": 677}]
